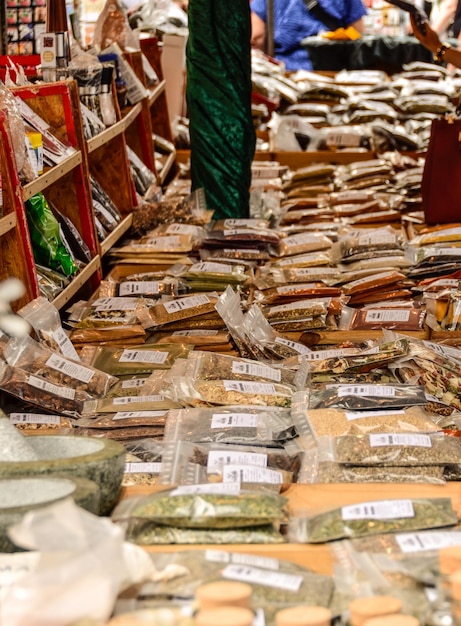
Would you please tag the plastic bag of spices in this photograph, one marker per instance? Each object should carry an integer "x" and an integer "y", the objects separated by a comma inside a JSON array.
[
  {"x": 44, "y": 318},
  {"x": 33, "y": 357},
  {"x": 205, "y": 506},
  {"x": 372, "y": 518},
  {"x": 230, "y": 424},
  {"x": 332, "y": 472},
  {"x": 362, "y": 397},
  {"x": 178, "y": 309},
  {"x": 40, "y": 392},
  {"x": 393, "y": 449},
  {"x": 187, "y": 463}
]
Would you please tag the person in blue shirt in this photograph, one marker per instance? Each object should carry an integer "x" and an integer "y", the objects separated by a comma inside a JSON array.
[{"x": 293, "y": 22}]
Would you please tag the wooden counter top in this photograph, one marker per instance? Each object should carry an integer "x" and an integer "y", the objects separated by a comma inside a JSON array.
[{"x": 317, "y": 498}]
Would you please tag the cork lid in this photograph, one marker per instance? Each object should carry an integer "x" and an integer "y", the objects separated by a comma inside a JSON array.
[
  {"x": 455, "y": 585},
  {"x": 225, "y": 616},
  {"x": 362, "y": 609},
  {"x": 393, "y": 620},
  {"x": 223, "y": 593},
  {"x": 304, "y": 616},
  {"x": 449, "y": 559}
]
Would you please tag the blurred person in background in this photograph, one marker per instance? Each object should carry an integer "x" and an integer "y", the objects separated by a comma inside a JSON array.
[
  {"x": 443, "y": 52},
  {"x": 296, "y": 19}
]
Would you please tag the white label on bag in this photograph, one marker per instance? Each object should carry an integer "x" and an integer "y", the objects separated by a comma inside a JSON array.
[
  {"x": 150, "y": 287},
  {"x": 210, "y": 266},
  {"x": 186, "y": 303},
  {"x": 237, "y": 251},
  {"x": 287, "y": 289},
  {"x": 34, "y": 418},
  {"x": 242, "y": 573},
  {"x": 295, "y": 240},
  {"x": 315, "y": 271},
  {"x": 219, "y": 556},
  {"x": 182, "y": 229},
  {"x": 367, "y": 279},
  {"x": 143, "y": 356},
  {"x": 241, "y": 473},
  {"x": 344, "y": 139},
  {"x": 143, "y": 468},
  {"x": 256, "y": 369},
  {"x": 62, "y": 392},
  {"x": 357, "y": 415},
  {"x": 65, "y": 344},
  {"x": 195, "y": 333},
  {"x": 368, "y": 240},
  {"x": 398, "y": 439},
  {"x": 366, "y": 390},
  {"x": 131, "y": 399},
  {"x": 235, "y": 232},
  {"x": 132, "y": 384},
  {"x": 321, "y": 355},
  {"x": 234, "y": 420},
  {"x": 115, "y": 304},
  {"x": 218, "y": 458},
  {"x": 443, "y": 350},
  {"x": 74, "y": 370},
  {"x": 298, "y": 347},
  {"x": 384, "y": 509},
  {"x": 293, "y": 306},
  {"x": 249, "y": 387},
  {"x": 162, "y": 243},
  {"x": 429, "y": 540},
  {"x": 15, "y": 566},
  {"x": 387, "y": 315},
  {"x": 124, "y": 415},
  {"x": 222, "y": 488},
  {"x": 444, "y": 252}
]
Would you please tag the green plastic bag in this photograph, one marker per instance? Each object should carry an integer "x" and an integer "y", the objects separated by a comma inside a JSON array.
[{"x": 47, "y": 245}]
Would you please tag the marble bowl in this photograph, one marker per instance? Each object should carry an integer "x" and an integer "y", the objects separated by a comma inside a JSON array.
[
  {"x": 20, "y": 495},
  {"x": 99, "y": 460}
]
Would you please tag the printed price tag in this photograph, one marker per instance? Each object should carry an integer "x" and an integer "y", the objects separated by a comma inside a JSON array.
[
  {"x": 132, "y": 384},
  {"x": 429, "y": 540},
  {"x": 223, "y": 488},
  {"x": 298, "y": 347},
  {"x": 143, "y": 468},
  {"x": 65, "y": 344},
  {"x": 74, "y": 370},
  {"x": 256, "y": 369},
  {"x": 186, "y": 303},
  {"x": 247, "y": 574},
  {"x": 234, "y": 420},
  {"x": 250, "y": 474},
  {"x": 218, "y": 458},
  {"x": 134, "y": 399},
  {"x": 383, "y": 391},
  {"x": 35, "y": 418},
  {"x": 195, "y": 333},
  {"x": 124, "y": 415},
  {"x": 387, "y": 315},
  {"x": 151, "y": 287},
  {"x": 115, "y": 304},
  {"x": 209, "y": 266},
  {"x": 249, "y": 387},
  {"x": 384, "y": 509},
  {"x": 182, "y": 229},
  {"x": 62, "y": 392},
  {"x": 398, "y": 439},
  {"x": 143, "y": 356}
]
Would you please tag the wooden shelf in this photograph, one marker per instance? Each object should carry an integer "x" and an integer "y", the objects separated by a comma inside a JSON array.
[
  {"x": 115, "y": 235},
  {"x": 156, "y": 91},
  {"x": 7, "y": 223},
  {"x": 167, "y": 167},
  {"x": 78, "y": 282},
  {"x": 132, "y": 114},
  {"x": 52, "y": 175},
  {"x": 113, "y": 131}
]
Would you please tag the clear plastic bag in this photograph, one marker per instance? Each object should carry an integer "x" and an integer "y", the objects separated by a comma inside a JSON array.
[
  {"x": 372, "y": 518},
  {"x": 33, "y": 357},
  {"x": 230, "y": 424},
  {"x": 366, "y": 397},
  {"x": 302, "y": 243},
  {"x": 179, "y": 309},
  {"x": 204, "y": 509},
  {"x": 44, "y": 318}
]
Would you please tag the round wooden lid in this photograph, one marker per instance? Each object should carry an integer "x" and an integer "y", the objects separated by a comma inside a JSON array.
[
  {"x": 225, "y": 616},
  {"x": 223, "y": 593},
  {"x": 304, "y": 616},
  {"x": 362, "y": 609}
]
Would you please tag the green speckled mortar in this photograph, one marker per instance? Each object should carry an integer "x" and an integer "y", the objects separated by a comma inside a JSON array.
[
  {"x": 100, "y": 460},
  {"x": 20, "y": 495}
]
